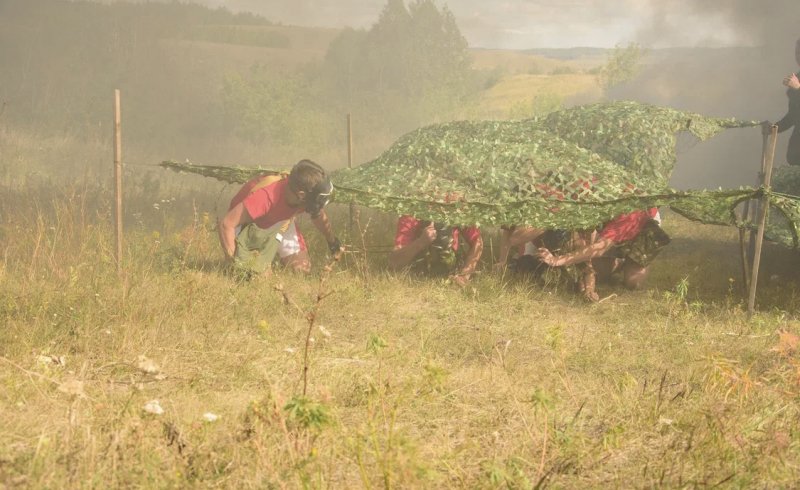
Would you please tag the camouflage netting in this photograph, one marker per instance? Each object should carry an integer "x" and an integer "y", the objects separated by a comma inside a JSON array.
[
  {"x": 640, "y": 137},
  {"x": 786, "y": 180},
  {"x": 573, "y": 169}
]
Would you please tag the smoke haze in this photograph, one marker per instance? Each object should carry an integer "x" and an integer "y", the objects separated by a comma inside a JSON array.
[
  {"x": 739, "y": 82},
  {"x": 724, "y": 58}
]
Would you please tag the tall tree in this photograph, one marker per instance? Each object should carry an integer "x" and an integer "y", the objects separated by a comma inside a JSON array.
[
  {"x": 410, "y": 66},
  {"x": 387, "y": 47}
]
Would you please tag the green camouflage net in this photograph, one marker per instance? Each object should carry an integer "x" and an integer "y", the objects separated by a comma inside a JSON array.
[
  {"x": 637, "y": 136},
  {"x": 574, "y": 169},
  {"x": 786, "y": 180}
]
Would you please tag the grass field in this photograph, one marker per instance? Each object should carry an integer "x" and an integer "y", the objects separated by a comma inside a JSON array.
[
  {"x": 173, "y": 373},
  {"x": 525, "y": 95},
  {"x": 411, "y": 382}
]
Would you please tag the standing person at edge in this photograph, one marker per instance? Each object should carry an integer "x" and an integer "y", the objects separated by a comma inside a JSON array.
[
  {"x": 260, "y": 221},
  {"x": 629, "y": 241},
  {"x": 792, "y": 117},
  {"x": 417, "y": 240}
]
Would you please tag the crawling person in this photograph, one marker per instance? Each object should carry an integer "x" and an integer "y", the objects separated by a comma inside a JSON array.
[
  {"x": 626, "y": 244},
  {"x": 436, "y": 248},
  {"x": 260, "y": 223},
  {"x": 526, "y": 241}
]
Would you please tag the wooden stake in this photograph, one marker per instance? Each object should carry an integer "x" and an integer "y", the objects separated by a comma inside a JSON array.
[
  {"x": 748, "y": 215},
  {"x": 762, "y": 219},
  {"x": 118, "y": 177},
  {"x": 351, "y": 223},
  {"x": 743, "y": 251},
  {"x": 753, "y": 211}
]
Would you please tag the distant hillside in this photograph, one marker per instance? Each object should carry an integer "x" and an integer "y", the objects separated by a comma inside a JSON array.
[
  {"x": 576, "y": 53},
  {"x": 219, "y": 49},
  {"x": 311, "y": 40},
  {"x": 523, "y": 95},
  {"x": 527, "y": 82},
  {"x": 513, "y": 62}
]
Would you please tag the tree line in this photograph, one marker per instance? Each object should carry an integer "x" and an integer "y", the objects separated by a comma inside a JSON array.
[{"x": 62, "y": 59}]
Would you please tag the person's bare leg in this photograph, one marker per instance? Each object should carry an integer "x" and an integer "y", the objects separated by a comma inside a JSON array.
[
  {"x": 588, "y": 273},
  {"x": 588, "y": 282},
  {"x": 634, "y": 275}
]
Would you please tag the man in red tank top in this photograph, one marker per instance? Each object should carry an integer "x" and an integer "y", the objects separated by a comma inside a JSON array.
[
  {"x": 414, "y": 238},
  {"x": 260, "y": 221},
  {"x": 624, "y": 229}
]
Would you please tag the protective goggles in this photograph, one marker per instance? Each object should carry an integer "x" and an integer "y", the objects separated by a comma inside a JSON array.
[{"x": 318, "y": 198}]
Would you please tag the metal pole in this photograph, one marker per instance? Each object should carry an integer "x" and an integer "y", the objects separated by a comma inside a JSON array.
[
  {"x": 118, "y": 177},
  {"x": 762, "y": 219}
]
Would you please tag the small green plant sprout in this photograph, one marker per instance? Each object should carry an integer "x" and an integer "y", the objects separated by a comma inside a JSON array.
[
  {"x": 540, "y": 399},
  {"x": 508, "y": 474},
  {"x": 679, "y": 293},
  {"x": 682, "y": 289},
  {"x": 495, "y": 473},
  {"x": 305, "y": 413},
  {"x": 435, "y": 376},
  {"x": 376, "y": 344},
  {"x": 555, "y": 336}
]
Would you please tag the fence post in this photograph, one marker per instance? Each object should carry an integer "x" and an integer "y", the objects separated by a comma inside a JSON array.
[
  {"x": 118, "y": 177},
  {"x": 351, "y": 223},
  {"x": 749, "y": 214},
  {"x": 763, "y": 211}
]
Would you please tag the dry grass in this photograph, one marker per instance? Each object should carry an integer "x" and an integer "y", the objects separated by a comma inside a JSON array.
[
  {"x": 524, "y": 95},
  {"x": 415, "y": 384},
  {"x": 519, "y": 62},
  {"x": 527, "y": 84}
]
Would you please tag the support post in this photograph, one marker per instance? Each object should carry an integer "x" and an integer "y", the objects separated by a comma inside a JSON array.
[
  {"x": 753, "y": 208},
  {"x": 743, "y": 250},
  {"x": 351, "y": 223},
  {"x": 763, "y": 211},
  {"x": 118, "y": 178}
]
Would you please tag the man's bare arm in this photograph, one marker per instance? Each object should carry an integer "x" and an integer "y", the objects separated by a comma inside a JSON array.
[
  {"x": 323, "y": 224},
  {"x": 472, "y": 258},
  {"x": 236, "y": 216},
  {"x": 511, "y": 238},
  {"x": 402, "y": 256},
  {"x": 585, "y": 254}
]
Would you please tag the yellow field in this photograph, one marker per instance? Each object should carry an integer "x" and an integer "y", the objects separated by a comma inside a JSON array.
[{"x": 525, "y": 95}]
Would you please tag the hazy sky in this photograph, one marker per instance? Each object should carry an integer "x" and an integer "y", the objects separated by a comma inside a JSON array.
[{"x": 521, "y": 24}]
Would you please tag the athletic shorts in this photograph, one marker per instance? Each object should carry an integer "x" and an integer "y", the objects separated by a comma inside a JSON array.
[{"x": 256, "y": 247}]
